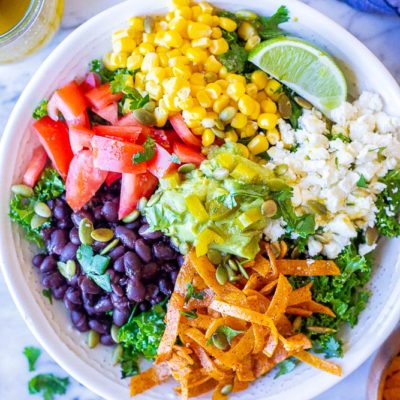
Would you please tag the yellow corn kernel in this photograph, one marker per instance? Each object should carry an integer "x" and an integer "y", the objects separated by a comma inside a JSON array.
[
  {"x": 150, "y": 61},
  {"x": 216, "y": 33},
  {"x": 119, "y": 59},
  {"x": 107, "y": 62},
  {"x": 185, "y": 104},
  {"x": 148, "y": 38},
  {"x": 161, "y": 26},
  {"x": 129, "y": 81},
  {"x": 194, "y": 89},
  {"x": 247, "y": 105},
  {"x": 260, "y": 79},
  {"x": 273, "y": 89},
  {"x": 169, "y": 16},
  {"x": 258, "y": 144},
  {"x": 121, "y": 33},
  {"x": 196, "y": 55},
  {"x": 196, "y": 11},
  {"x": 156, "y": 75},
  {"x": 231, "y": 136},
  {"x": 197, "y": 79},
  {"x": 215, "y": 21},
  {"x": 273, "y": 136},
  {"x": 208, "y": 137},
  {"x": 268, "y": 106},
  {"x": 205, "y": 19},
  {"x": 184, "y": 12},
  {"x": 198, "y": 131},
  {"x": 233, "y": 78},
  {"x": 252, "y": 42},
  {"x": 139, "y": 80},
  {"x": 261, "y": 96},
  {"x": 170, "y": 103},
  {"x": 212, "y": 64},
  {"x": 126, "y": 44},
  {"x": 236, "y": 90},
  {"x": 179, "y": 25},
  {"x": 249, "y": 130},
  {"x": 206, "y": 7},
  {"x": 254, "y": 115},
  {"x": 162, "y": 49},
  {"x": 267, "y": 121},
  {"x": 203, "y": 43},
  {"x": 161, "y": 116},
  {"x": 164, "y": 59},
  {"x": 134, "y": 61},
  {"x": 197, "y": 30},
  {"x": 178, "y": 60},
  {"x": 197, "y": 113},
  {"x": 193, "y": 123},
  {"x": 214, "y": 90},
  {"x": 246, "y": 31},
  {"x": 251, "y": 89},
  {"x": 136, "y": 23},
  {"x": 221, "y": 103},
  {"x": 244, "y": 150},
  {"x": 218, "y": 46},
  {"x": 239, "y": 121},
  {"x": 223, "y": 72},
  {"x": 223, "y": 83},
  {"x": 228, "y": 24},
  {"x": 173, "y": 39},
  {"x": 145, "y": 48},
  {"x": 182, "y": 71},
  {"x": 155, "y": 90},
  {"x": 204, "y": 99},
  {"x": 180, "y": 3}
]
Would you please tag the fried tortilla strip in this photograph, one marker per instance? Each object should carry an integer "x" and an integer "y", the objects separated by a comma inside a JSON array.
[
  {"x": 315, "y": 307},
  {"x": 272, "y": 260},
  {"x": 208, "y": 297},
  {"x": 296, "y": 343},
  {"x": 391, "y": 394},
  {"x": 213, "y": 326},
  {"x": 202, "y": 321},
  {"x": 262, "y": 364},
  {"x": 238, "y": 385},
  {"x": 185, "y": 276},
  {"x": 244, "y": 371},
  {"x": 197, "y": 390},
  {"x": 280, "y": 300},
  {"x": 300, "y": 295},
  {"x": 394, "y": 366},
  {"x": 262, "y": 266},
  {"x": 307, "y": 267},
  {"x": 146, "y": 380},
  {"x": 393, "y": 381},
  {"x": 235, "y": 356},
  {"x": 254, "y": 282},
  {"x": 319, "y": 363},
  {"x": 298, "y": 311},
  {"x": 262, "y": 302},
  {"x": 269, "y": 287},
  {"x": 284, "y": 326}
]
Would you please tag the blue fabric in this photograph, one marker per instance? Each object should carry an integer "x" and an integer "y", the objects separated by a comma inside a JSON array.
[{"x": 376, "y": 6}]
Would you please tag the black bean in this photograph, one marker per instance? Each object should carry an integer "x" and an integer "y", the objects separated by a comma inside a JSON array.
[
  {"x": 58, "y": 239},
  {"x": 52, "y": 280},
  {"x": 126, "y": 236},
  {"x": 46, "y": 232},
  {"x": 119, "y": 264},
  {"x": 165, "y": 286},
  {"x": 99, "y": 326},
  {"x": 73, "y": 295},
  {"x": 78, "y": 216},
  {"x": 103, "y": 305},
  {"x": 60, "y": 211},
  {"x": 97, "y": 213},
  {"x": 124, "y": 280},
  {"x": 89, "y": 308},
  {"x": 68, "y": 252},
  {"x": 37, "y": 260},
  {"x": 173, "y": 275},
  {"x": 169, "y": 266},
  {"x": 114, "y": 276},
  {"x": 51, "y": 203},
  {"x": 120, "y": 316},
  {"x": 143, "y": 250},
  {"x": 149, "y": 270},
  {"x": 133, "y": 264},
  {"x": 152, "y": 291},
  {"x": 135, "y": 290},
  {"x": 48, "y": 264},
  {"x": 70, "y": 306},
  {"x": 163, "y": 251},
  {"x": 64, "y": 224},
  {"x": 144, "y": 306},
  {"x": 148, "y": 235},
  {"x": 107, "y": 340},
  {"x": 117, "y": 289},
  {"x": 181, "y": 260},
  {"x": 119, "y": 302},
  {"x": 74, "y": 236},
  {"x": 110, "y": 211},
  {"x": 135, "y": 225},
  {"x": 88, "y": 286},
  {"x": 79, "y": 319},
  {"x": 117, "y": 252},
  {"x": 98, "y": 246},
  {"x": 59, "y": 292},
  {"x": 157, "y": 299}
]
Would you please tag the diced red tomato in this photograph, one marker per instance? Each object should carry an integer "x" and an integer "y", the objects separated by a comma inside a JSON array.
[
  {"x": 100, "y": 97},
  {"x": 82, "y": 120},
  {"x": 109, "y": 113},
  {"x": 187, "y": 154},
  {"x": 183, "y": 131},
  {"x": 128, "y": 133},
  {"x": 161, "y": 164},
  {"x": 116, "y": 155},
  {"x": 165, "y": 138},
  {"x": 80, "y": 138},
  {"x": 53, "y": 136},
  {"x": 35, "y": 166},
  {"x": 69, "y": 101},
  {"x": 83, "y": 180},
  {"x": 130, "y": 120},
  {"x": 133, "y": 188},
  {"x": 91, "y": 81},
  {"x": 112, "y": 177}
]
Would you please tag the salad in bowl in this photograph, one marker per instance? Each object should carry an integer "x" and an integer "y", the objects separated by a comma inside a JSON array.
[{"x": 208, "y": 198}]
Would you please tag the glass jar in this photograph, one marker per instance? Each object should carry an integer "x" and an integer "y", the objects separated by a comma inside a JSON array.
[{"x": 40, "y": 22}]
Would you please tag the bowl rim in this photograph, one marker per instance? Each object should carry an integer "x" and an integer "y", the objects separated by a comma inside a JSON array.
[{"x": 39, "y": 326}]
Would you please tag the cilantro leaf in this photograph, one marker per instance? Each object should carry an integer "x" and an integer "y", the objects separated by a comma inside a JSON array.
[
  {"x": 362, "y": 182},
  {"x": 269, "y": 26},
  {"x": 229, "y": 332},
  {"x": 41, "y": 110},
  {"x": 189, "y": 314},
  {"x": 286, "y": 366},
  {"x": 48, "y": 385},
  {"x": 329, "y": 345},
  {"x": 235, "y": 58},
  {"x": 341, "y": 136},
  {"x": 32, "y": 354},
  {"x": 49, "y": 186},
  {"x": 98, "y": 67},
  {"x": 103, "y": 281},
  {"x": 148, "y": 153},
  {"x": 227, "y": 14},
  {"x": 192, "y": 293},
  {"x": 48, "y": 294}
]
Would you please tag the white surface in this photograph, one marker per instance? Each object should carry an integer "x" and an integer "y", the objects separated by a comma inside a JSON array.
[{"x": 12, "y": 364}]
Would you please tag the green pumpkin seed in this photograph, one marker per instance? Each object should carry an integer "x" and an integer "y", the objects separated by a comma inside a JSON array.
[
  {"x": 276, "y": 184},
  {"x": 42, "y": 209},
  {"x": 117, "y": 354},
  {"x": 142, "y": 204},
  {"x": 85, "y": 231},
  {"x": 144, "y": 117},
  {"x": 210, "y": 77},
  {"x": 281, "y": 169},
  {"x": 371, "y": 236},
  {"x": 148, "y": 24},
  {"x": 221, "y": 275},
  {"x": 232, "y": 277},
  {"x": 303, "y": 103},
  {"x": 109, "y": 247},
  {"x": 243, "y": 271},
  {"x": 220, "y": 174},
  {"x": 220, "y": 341},
  {"x": 218, "y": 132},
  {"x": 114, "y": 333},
  {"x": 214, "y": 256},
  {"x": 317, "y": 207},
  {"x": 68, "y": 269},
  {"x": 93, "y": 339},
  {"x": 153, "y": 199},
  {"x": 232, "y": 264},
  {"x": 37, "y": 221},
  {"x": 133, "y": 216},
  {"x": 225, "y": 390},
  {"x": 284, "y": 106},
  {"x": 219, "y": 125},
  {"x": 102, "y": 235},
  {"x": 186, "y": 168},
  {"x": 22, "y": 190},
  {"x": 227, "y": 114},
  {"x": 246, "y": 15},
  {"x": 269, "y": 208},
  {"x": 295, "y": 254},
  {"x": 150, "y": 106}
]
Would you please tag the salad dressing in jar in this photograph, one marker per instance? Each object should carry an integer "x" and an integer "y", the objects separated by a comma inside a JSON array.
[{"x": 26, "y": 25}]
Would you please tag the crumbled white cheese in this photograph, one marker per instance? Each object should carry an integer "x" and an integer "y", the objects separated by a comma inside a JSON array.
[{"x": 275, "y": 229}]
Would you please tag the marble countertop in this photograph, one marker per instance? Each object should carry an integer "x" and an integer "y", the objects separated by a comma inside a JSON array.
[{"x": 380, "y": 33}]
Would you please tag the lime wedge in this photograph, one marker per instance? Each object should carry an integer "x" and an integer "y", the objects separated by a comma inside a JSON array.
[{"x": 307, "y": 70}]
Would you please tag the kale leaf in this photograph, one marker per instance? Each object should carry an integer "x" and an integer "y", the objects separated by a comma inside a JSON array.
[
  {"x": 48, "y": 385},
  {"x": 41, "y": 110},
  {"x": 49, "y": 186},
  {"x": 32, "y": 354}
]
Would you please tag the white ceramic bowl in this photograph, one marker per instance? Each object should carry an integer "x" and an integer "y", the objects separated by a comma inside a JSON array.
[{"x": 51, "y": 325}]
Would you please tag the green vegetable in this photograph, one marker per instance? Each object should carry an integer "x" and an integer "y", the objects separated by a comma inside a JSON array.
[
  {"x": 98, "y": 67},
  {"x": 341, "y": 136},
  {"x": 362, "y": 182},
  {"x": 94, "y": 266},
  {"x": 41, "y": 110},
  {"x": 49, "y": 186},
  {"x": 389, "y": 200},
  {"x": 297, "y": 110},
  {"x": 286, "y": 366},
  {"x": 140, "y": 337},
  {"x": 148, "y": 153},
  {"x": 47, "y": 293},
  {"x": 235, "y": 58},
  {"x": 192, "y": 293},
  {"x": 227, "y": 14},
  {"x": 32, "y": 354},
  {"x": 268, "y": 27},
  {"x": 229, "y": 332},
  {"x": 48, "y": 384},
  {"x": 189, "y": 314}
]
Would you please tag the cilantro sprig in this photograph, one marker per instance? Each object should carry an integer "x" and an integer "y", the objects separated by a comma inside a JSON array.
[
  {"x": 148, "y": 153},
  {"x": 32, "y": 354},
  {"x": 41, "y": 110},
  {"x": 49, "y": 385}
]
